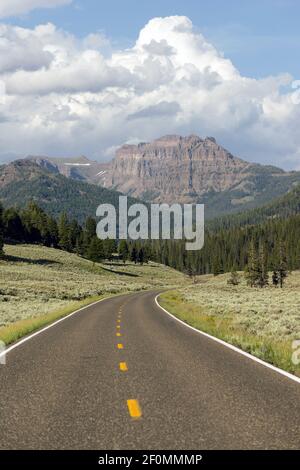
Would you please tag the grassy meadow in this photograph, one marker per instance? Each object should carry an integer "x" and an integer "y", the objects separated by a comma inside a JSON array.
[
  {"x": 39, "y": 285},
  {"x": 263, "y": 322}
]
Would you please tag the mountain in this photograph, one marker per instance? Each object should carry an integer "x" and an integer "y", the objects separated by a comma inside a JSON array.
[
  {"x": 181, "y": 169},
  {"x": 174, "y": 168},
  {"x": 191, "y": 169},
  {"x": 281, "y": 208},
  {"x": 24, "y": 180},
  {"x": 78, "y": 168}
]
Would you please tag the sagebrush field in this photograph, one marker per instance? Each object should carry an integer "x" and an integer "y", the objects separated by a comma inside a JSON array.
[
  {"x": 35, "y": 280},
  {"x": 39, "y": 285},
  {"x": 263, "y": 322}
]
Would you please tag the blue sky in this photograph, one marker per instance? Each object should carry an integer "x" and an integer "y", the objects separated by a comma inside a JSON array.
[
  {"x": 89, "y": 76},
  {"x": 261, "y": 37}
]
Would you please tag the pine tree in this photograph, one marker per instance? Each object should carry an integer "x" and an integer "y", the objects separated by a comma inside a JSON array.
[
  {"x": 13, "y": 225},
  {"x": 216, "y": 266},
  {"x": 189, "y": 268},
  {"x": 123, "y": 250},
  {"x": 263, "y": 277},
  {"x": 147, "y": 253},
  {"x": 74, "y": 233},
  {"x": 141, "y": 256},
  {"x": 275, "y": 278},
  {"x": 109, "y": 246},
  {"x": 95, "y": 251},
  {"x": 282, "y": 266},
  {"x": 1, "y": 231},
  {"x": 134, "y": 254},
  {"x": 52, "y": 230},
  {"x": 33, "y": 221},
  {"x": 165, "y": 256},
  {"x": 89, "y": 233},
  {"x": 64, "y": 241},
  {"x": 252, "y": 270},
  {"x": 79, "y": 245}
]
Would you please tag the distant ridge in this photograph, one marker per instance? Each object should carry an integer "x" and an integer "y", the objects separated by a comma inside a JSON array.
[
  {"x": 180, "y": 169},
  {"x": 25, "y": 180}
]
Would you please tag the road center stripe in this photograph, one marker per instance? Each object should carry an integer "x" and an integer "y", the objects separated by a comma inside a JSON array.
[
  {"x": 134, "y": 409},
  {"x": 123, "y": 367}
]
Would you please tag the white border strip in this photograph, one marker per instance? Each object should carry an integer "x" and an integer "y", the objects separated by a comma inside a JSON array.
[
  {"x": 27, "y": 338},
  {"x": 230, "y": 346}
]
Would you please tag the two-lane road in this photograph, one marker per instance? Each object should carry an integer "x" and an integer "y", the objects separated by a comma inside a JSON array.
[{"x": 122, "y": 374}]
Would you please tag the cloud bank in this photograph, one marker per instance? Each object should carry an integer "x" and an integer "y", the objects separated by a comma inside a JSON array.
[{"x": 66, "y": 95}]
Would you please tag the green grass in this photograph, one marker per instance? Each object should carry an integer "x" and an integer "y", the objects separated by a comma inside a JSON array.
[
  {"x": 39, "y": 285},
  {"x": 14, "y": 331},
  {"x": 224, "y": 311}
]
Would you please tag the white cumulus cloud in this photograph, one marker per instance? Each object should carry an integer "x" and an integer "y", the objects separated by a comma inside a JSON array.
[
  {"x": 66, "y": 95},
  {"x": 17, "y": 7}
]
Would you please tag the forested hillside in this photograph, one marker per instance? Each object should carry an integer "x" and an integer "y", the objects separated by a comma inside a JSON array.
[
  {"x": 224, "y": 249},
  {"x": 281, "y": 207},
  {"x": 23, "y": 181},
  {"x": 228, "y": 249},
  {"x": 228, "y": 239},
  {"x": 260, "y": 188}
]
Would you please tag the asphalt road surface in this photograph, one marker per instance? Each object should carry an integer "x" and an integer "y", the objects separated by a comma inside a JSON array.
[{"x": 159, "y": 385}]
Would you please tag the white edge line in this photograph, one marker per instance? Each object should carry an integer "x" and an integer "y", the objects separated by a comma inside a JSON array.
[
  {"x": 230, "y": 346},
  {"x": 27, "y": 338}
]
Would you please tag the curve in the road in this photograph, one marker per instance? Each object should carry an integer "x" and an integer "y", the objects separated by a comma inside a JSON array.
[{"x": 168, "y": 387}]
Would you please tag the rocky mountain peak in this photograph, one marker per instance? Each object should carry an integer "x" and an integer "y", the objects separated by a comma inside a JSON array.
[
  {"x": 17, "y": 170},
  {"x": 173, "y": 167},
  {"x": 170, "y": 169}
]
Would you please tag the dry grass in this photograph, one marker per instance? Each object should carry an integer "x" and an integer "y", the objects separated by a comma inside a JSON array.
[
  {"x": 263, "y": 322},
  {"x": 38, "y": 285},
  {"x": 14, "y": 331}
]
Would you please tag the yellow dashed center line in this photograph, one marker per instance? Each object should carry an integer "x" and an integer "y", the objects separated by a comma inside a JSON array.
[
  {"x": 133, "y": 405},
  {"x": 123, "y": 367},
  {"x": 134, "y": 409}
]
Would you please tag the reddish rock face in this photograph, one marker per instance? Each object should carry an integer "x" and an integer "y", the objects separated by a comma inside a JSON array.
[
  {"x": 170, "y": 169},
  {"x": 174, "y": 168}
]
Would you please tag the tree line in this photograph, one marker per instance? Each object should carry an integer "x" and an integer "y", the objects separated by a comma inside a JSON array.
[
  {"x": 34, "y": 225},
  {"x": 227, "y": 250},
  {"x": 257, "y": 270},
  {"x": 272, "y": 246}
]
